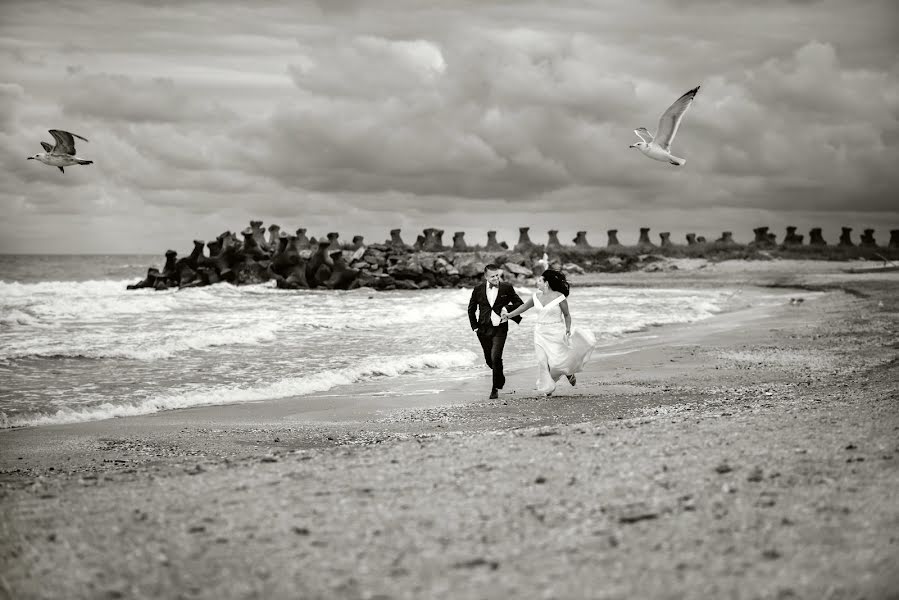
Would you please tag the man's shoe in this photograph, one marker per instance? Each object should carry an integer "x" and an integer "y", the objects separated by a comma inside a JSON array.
[{"x": 494, "y": 394}]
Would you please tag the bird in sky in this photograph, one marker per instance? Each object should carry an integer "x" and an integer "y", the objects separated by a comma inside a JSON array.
[
  {"x": 63, "y": 153},
  {"x": 659, "y": 147}
]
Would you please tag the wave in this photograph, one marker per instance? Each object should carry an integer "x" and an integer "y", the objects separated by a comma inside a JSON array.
[
  {"x": 140, "y": 345},
  {"x": 382, "y": 316},
  {"x": 391, "y": 366},
  {"x": 22, "y": 318},
  {"x": 14, "y": 288}
]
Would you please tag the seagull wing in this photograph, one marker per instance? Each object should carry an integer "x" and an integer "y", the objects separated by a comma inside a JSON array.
[
  {"x": 671, "y": 119},
  {"x": 65, "y": 142},
  {"x": 47, "y": 147},
  {"x": 643, "y": 134}
]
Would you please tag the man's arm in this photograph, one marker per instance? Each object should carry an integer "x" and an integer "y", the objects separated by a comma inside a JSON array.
[{"x": 472, "y": 308}]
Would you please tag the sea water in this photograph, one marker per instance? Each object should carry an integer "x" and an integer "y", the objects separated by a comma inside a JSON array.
[{"x": 75, "y": 345}]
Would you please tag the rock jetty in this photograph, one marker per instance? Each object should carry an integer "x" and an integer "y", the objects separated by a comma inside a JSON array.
[{"x": 295, "y": 261}]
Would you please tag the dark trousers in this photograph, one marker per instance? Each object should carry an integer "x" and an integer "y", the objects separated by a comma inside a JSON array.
[{"x": 493, "y": 343}]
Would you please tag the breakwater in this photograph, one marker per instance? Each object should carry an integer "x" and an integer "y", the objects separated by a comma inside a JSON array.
[{"x": 295, "y": 261}]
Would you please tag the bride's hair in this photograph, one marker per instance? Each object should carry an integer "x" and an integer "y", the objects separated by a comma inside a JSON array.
[{"x": 556, "y": 281}]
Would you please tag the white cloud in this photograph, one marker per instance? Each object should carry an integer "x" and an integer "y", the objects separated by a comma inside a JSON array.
[
  {"x": 448, "y": 115},
  {"x": 116, "y": 97}
]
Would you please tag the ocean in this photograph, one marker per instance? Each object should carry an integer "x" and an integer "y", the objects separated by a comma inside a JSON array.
[{"x": 75, "y": 345}]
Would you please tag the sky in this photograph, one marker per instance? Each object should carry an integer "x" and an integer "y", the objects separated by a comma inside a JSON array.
[{"x": 359, "y": 117}]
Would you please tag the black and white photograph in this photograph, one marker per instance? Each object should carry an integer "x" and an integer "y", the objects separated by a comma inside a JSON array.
[{"x": 449, "y": 299}]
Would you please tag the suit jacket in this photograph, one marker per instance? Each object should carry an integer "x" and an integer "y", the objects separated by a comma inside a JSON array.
[{"x": 479, "y": 308}]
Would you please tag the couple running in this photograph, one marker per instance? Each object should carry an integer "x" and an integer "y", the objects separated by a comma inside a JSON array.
[{"x": 560, "y": 349}]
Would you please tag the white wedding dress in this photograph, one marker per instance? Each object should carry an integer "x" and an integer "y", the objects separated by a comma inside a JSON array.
[{"x": 556, "y": 354}]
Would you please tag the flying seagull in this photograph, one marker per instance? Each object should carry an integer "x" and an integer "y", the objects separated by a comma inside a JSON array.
[
  {"x": 63, "y": 153},
  {"x": 659, "y": 148}
]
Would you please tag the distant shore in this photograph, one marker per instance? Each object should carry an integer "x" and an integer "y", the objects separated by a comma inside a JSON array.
[{"x": 749, "y": 455}]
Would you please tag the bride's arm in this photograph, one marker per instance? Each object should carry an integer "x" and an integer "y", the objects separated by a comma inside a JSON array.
[
  {"x": 524, "y": 307},
  {"x": 564, "y": 306}
]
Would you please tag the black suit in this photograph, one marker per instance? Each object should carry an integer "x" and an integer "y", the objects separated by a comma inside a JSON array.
[{"x": 492, "y": 337}]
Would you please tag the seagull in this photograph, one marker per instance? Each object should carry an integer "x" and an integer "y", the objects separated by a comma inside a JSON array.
[
  {"x": 660, "y": 149},
  {"x": 63, "y": 153}
]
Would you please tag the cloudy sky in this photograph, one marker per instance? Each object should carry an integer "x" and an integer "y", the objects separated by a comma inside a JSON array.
[{"x": 361, "y": 116}]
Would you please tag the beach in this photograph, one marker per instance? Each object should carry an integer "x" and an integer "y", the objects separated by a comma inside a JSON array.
[{"x": 752, "y": 454}]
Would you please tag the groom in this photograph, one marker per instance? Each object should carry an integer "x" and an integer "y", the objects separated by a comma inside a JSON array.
[{"x": 489, "y": 300}]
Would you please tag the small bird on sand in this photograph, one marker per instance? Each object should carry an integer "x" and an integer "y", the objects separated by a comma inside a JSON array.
[
  {"x": 63, "y": 153},
  {"x": 659, "y": 147}
]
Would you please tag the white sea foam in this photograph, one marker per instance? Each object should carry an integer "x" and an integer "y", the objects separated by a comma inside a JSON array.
[
  {"x": 216, "y": 395},
  {"x": 21, "y": 318},
  {"x": 199, "y": 346},
  {"x": 383, "y": 318},
  {"x": 96, "y": 286},
  {"x": 137, "y": 344}
]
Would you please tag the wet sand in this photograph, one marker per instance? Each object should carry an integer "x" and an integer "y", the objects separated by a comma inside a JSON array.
[{"x": 751, "y": 455}]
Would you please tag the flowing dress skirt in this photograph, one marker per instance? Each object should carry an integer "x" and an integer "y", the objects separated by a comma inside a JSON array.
[{"x": 558, "y": 356}]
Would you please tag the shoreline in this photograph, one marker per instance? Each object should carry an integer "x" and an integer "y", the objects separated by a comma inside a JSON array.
[
  {"x": 362, "y": 400},
  {"x": 750, "y": 455}
]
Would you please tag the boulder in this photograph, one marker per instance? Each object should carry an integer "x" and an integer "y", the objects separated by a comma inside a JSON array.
[
  {"x": 433, "y": 240},
  {"x": 318, "y": 267},
  {"x": 148, "y": 282},
  {"x": 762, "y": 238},
  {"x": 405, "y": 267},
  {"x": 644, "y": 243},
  {"x": 792, "y": 238},
  {"x": 492, "y": 244},
  {"x": 469, "y": 265},
  {"x": 342, "y": 276},
  {"x": 251, "y": 248},
  {"x": 867, "y": 239},
  {"x": 284, "y": 262},
  {"x": 333, "y": 242},
  {"x": 274, "y": 236},
  {"x": 518, "y": 271},
  {"x": 258, "y": 234},
  {"x": 459, "y": 244},
  {"x": 846, "y": 238},
  {"x": 168, "y": 270},
  {"x": 395, "y": 239},
  {"x": 552, "y": 242},
  {"x": 815, "y": 238},
  {"x": 250, "y": 272},
  {"x": 726, "y": 239},
  {"x": 302, "y": 242},
  {"x": 524, "y": 244}
]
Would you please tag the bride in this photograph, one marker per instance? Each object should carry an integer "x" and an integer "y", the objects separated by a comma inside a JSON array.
[{"x": 560, "y": 349}]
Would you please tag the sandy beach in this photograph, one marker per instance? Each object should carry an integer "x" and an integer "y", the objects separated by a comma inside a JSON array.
[{"x": 751, "y": 455}]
